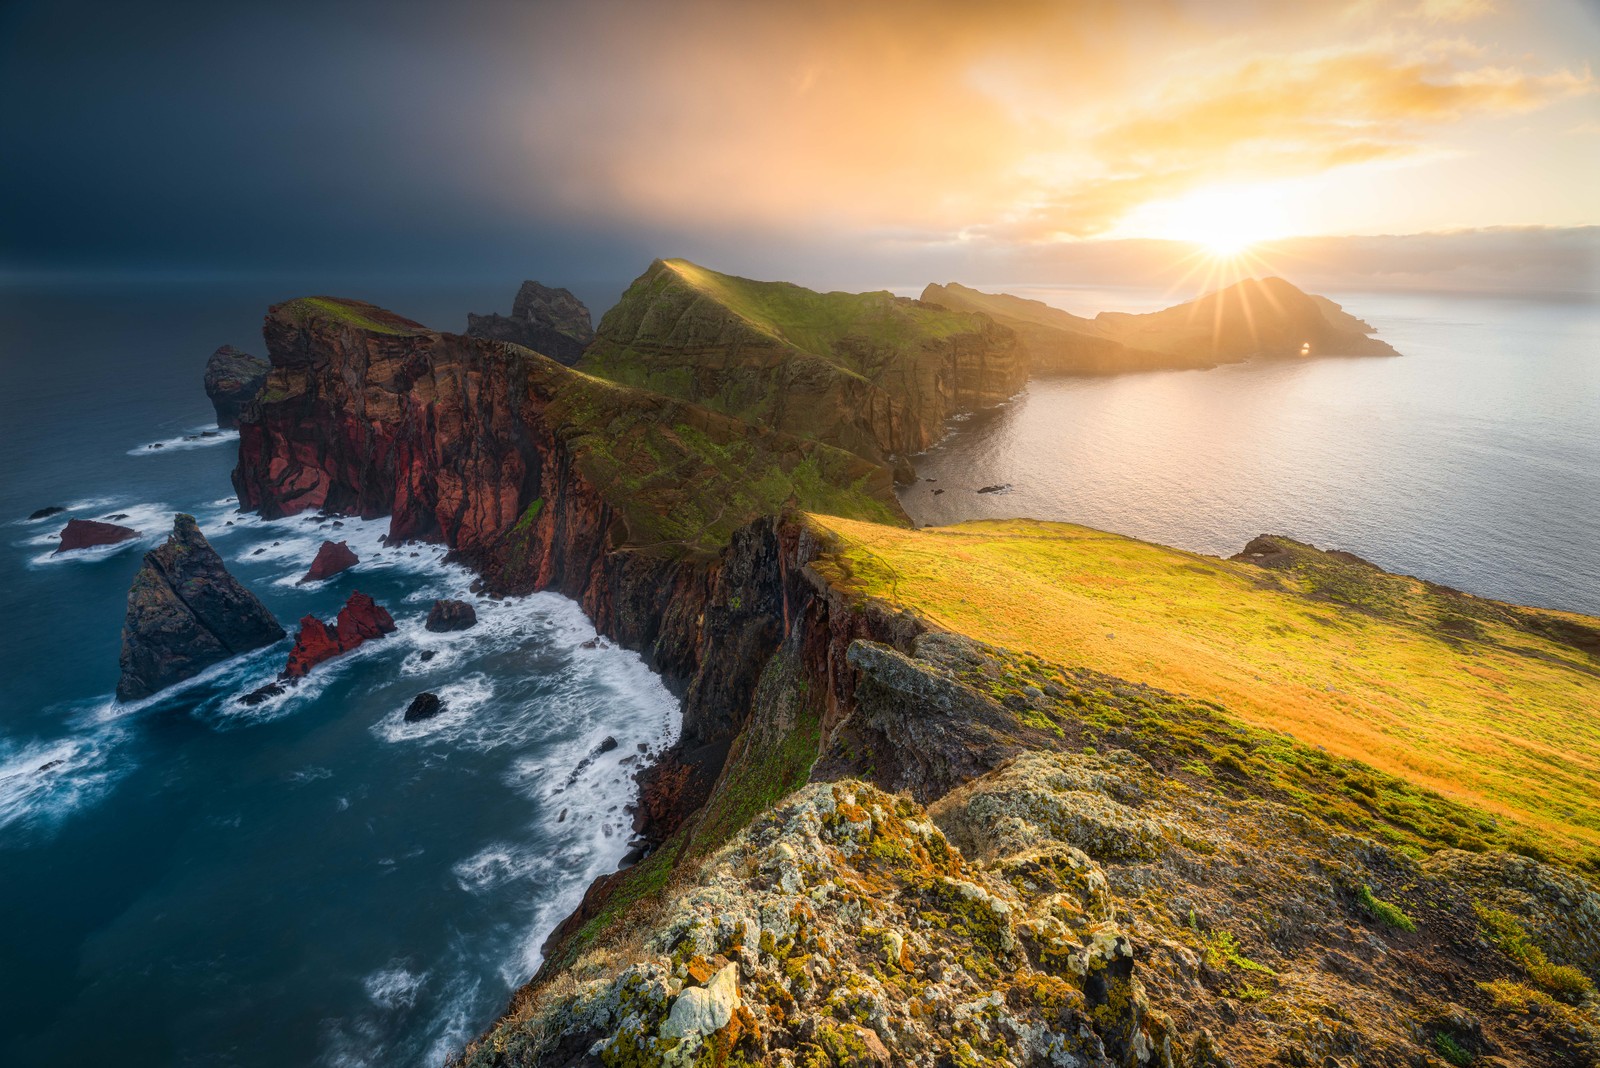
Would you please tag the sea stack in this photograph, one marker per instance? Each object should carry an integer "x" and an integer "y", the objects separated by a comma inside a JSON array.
[
  {"x": 551, "y": 322},
  {"x": 234, "y": 379},
  {"x": 185, "y": 613},
  {"x": 447, "y": 615},
  {"x": 360, "y": 620},
  {"x": 332, "y": 558},
  {"x": 89, "y": 533}
]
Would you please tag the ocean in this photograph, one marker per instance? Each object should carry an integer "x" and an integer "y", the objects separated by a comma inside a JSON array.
[
  {"x": 1472, "y": 460},
  {"x": 187, "y": 881}
]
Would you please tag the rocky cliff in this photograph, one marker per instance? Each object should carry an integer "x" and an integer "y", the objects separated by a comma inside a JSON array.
[
  {"x": 1002, "y": 860},
  {"x": 539, "y": 475},
  {"x": 872, "y": 373},
  {"x": 233, "y": 379},
  {"x": 548, "y": 321},
  {"x": 1265, "y": 317},
  {"x": 185, "y": 613}
]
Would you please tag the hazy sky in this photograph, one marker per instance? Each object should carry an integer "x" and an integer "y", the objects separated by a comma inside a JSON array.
[{"x": 587, "y": 137}]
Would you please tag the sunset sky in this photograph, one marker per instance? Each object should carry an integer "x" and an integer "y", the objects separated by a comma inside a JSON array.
[{"x": 193, "y": 135}]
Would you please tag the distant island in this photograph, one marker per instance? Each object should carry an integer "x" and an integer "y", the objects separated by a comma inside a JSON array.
[{"x": 1257, "y": 317}]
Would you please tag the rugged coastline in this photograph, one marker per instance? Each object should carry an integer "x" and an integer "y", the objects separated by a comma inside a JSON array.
[{"x": 790, "y": 672}]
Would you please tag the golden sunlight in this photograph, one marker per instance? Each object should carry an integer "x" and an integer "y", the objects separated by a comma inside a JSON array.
[{"x": 1224, "y": 220}]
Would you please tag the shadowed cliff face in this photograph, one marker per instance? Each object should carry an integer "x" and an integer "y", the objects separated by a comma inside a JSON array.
[
  {"x": 869, "y": 372},
  {"x": 1253, "y": 318},
  {"x": 551, "y": 322}
]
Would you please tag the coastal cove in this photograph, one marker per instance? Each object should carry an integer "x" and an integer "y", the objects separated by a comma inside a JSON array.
[{"x": 536, "y": 698}]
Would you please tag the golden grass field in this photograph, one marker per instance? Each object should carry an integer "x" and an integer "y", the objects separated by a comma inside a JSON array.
[{"x": 1464, "y": 696}]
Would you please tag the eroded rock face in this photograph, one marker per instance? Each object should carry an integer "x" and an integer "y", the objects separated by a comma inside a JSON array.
[
  {"x": 90, "y": 533},
  {"x": 360, "y": 620},
  {"x": 332, "y": 558},
  {"x": 233, "y": 379},
  {"x": 185, "y": 613},
  {"x": 548, "y": 321},
  {"x": 447, "y": 615}
]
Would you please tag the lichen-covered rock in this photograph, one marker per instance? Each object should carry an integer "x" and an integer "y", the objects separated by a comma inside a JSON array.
[
  {"x": 233, "y": 379},
  {"x": 842, "y": 928},
  {"x": 185, "y": 613}
]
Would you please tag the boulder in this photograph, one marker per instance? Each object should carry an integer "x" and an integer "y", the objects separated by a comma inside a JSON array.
[
  {"x": 332, "y": 558},
  {"x": 88, "y": 533},
  {"x": 360, "y": 620},
  {"x": 46, "y": 513},
  {"x": 233, "y": 380},
  {"x": 424, "y": 706},
  {"x": 447, "y": 615},
  {"x": 185, "y": 613}
]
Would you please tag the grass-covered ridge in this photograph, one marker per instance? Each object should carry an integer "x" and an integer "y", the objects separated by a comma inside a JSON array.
[
  {"x": 1487, "y": 703},
  {"x": 687, "y": 478},
  {"x": 354, "y": 313}
]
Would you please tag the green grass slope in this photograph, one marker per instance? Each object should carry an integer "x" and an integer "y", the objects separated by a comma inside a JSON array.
[{"x": 1490, "y": 704}]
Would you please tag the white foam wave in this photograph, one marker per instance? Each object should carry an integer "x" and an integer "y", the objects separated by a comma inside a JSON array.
[
  {"x": 455, "y": 721},
  {"x": 394, "y": 987},
  {"x": 201, "y": 437},
  {"x": 43, "y": 781}
]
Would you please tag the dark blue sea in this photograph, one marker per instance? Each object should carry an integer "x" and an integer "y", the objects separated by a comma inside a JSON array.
[{"x": 188, "y": 881}]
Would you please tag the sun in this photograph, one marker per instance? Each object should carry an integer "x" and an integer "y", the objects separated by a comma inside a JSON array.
[{"x": 1224, "y": 220}]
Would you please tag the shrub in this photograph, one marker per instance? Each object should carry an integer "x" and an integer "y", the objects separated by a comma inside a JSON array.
[{"x": 1385, "y": 913}]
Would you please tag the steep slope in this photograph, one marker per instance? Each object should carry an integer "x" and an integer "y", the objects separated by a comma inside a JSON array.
[
  {"x": 1002, "y": 858},
  {"x": 875, "y": 374},
  {"x": 1254, "y": 318},
  {"x": 543, "y": 478}
]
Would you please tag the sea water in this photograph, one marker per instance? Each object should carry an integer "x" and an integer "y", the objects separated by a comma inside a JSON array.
[
  {"x": 1473, "y": 459},
  {"x": 190, "y": 881}
]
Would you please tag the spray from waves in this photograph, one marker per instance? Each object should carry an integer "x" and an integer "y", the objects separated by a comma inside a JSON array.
[
  {"x": 41, "y": 782},
  {"x": 200, "y": 437}
]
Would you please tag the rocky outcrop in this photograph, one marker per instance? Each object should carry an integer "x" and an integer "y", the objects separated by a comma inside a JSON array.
[
  {"x": 423, "y": 706},
  {"x": 552, "y": 322},
  {"x": 869, "y": 372},
  {"x": 360, "y": 620},
  {"x": 447, "y": 615},
  {"x": 90, "y": 533},
  {"x": 332, "y": 558},
  {"x": 233, "y": 379},
  {"x": 185, "y": 613},
  {"x": 45, "y": 513},
  {"x": 545, "y": 478},
  {"x": 1257, "y": 317}
]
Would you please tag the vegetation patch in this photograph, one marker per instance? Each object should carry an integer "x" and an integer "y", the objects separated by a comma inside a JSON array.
[{"x": 1390, "y": 915}]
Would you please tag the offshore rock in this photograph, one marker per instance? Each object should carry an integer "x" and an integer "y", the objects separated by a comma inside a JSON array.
[
  {"x": 46, "y": 513},
  {"x": 360, "y": 620},
  {"x": 185, "y": 613},
  {"x": 448, "y": 615},
  {"x": 233, "y": 379},
  {"x": 332, "y": 558},
  {"x": 552, "y": 322},
  {"x": 423, "y": 706},
  {"x": 89, "y": 533}
]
